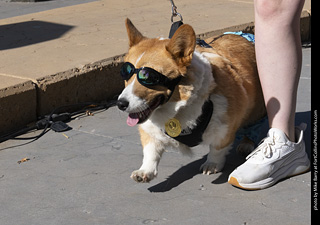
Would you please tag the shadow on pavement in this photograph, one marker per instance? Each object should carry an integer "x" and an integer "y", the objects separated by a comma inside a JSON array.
[
  {"x": 31, "y": 32},
  {"x": 181, "y": 175},
  {"x": 233, "y": 160}
]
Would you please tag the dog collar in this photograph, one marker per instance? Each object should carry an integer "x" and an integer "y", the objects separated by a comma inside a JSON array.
[{"x": 193, "y": 136}]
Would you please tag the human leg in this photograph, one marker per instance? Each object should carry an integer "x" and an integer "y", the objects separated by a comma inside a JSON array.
[
  {"x": 278, "y": 51},
  {"x": 279, "y": 56}
]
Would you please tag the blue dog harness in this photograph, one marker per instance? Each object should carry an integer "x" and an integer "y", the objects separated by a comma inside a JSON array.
[{"x": 248, "y": 36}]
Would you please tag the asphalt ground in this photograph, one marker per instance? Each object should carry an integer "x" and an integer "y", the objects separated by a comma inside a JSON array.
[{"x": 82, "y": 176}]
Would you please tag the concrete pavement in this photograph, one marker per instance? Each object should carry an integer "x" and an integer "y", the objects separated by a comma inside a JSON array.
[
  {"x": 9, "y": 8},
  {"x": 82, "y": 177},
  {"x": 72, "y": 54}
]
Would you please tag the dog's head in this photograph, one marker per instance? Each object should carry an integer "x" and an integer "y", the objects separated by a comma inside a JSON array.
[{"x": 152, "y": 71}]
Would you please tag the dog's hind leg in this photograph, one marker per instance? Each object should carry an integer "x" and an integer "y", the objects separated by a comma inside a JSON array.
[
  {"x": 245, "y": 147},
  {"x": 216, "y": 159}
]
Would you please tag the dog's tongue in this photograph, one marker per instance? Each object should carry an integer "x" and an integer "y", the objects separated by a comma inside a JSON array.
[{"x": 133, "y": 119}]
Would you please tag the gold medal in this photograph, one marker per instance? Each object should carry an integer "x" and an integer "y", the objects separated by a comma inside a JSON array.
[{"x": 173, "y": 127}]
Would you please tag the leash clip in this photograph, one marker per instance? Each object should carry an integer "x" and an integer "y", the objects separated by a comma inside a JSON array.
[{"x": 175, "y": 12}]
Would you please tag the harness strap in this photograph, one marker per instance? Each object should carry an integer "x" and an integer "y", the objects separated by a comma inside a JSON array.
[
  {"x": 174, "y": 27},
  {"x": 202, "y": 43},
  {"x": 177, "y": 24},
  {"x": 193, "y": 137},
  {"x": 188, "y": 136}
]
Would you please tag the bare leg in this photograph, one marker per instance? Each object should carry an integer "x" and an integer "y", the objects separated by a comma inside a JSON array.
[
  {"x": 278, "y": 52},
  {"x": 279, "y": 56}
]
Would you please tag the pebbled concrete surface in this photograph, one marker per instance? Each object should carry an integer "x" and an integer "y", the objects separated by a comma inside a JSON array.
[{"x": 84, "y": 179}]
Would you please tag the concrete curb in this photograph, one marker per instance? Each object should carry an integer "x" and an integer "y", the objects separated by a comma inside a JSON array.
[{"x": 23, "y": 103}]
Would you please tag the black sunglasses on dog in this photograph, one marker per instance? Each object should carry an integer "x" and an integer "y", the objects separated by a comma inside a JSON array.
[{"x": 147, "y": 76}]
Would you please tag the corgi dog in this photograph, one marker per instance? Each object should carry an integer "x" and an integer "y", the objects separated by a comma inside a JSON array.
[{"x": 182, "y": 95}]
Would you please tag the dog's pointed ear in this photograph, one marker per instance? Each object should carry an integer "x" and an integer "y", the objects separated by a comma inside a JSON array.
[
  {"x": 133, "y": 34},
  {"x": 182, "y": 45}
]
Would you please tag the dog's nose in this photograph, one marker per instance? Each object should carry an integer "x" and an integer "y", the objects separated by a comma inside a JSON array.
[{"x": 122, "y": 104}]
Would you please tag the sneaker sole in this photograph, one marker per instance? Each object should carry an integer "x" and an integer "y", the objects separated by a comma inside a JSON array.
[{"x": 299, "y": 167}]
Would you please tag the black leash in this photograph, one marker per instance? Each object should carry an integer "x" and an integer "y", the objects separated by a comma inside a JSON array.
[
  {"x": 174, "y": 27},
  {"x": 177, "y": 24},
  {"x": 57, "y": 120}
]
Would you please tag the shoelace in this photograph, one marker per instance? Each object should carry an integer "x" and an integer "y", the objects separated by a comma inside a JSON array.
[{"x": 267, "y": 147}]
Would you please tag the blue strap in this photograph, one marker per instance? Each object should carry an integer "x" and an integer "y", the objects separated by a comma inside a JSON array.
[{"x": 249, "y": 37}]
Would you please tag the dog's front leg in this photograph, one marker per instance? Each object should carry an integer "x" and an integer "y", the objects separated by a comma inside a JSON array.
[
  {"x": 152, "y": 153},
  {"x": 149, "y": 167}
]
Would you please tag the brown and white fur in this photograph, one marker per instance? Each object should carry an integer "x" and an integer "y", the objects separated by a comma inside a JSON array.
[{"x": 226, "y": 73}]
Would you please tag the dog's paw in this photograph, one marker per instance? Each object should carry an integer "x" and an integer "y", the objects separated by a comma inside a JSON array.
[
  {"x": 245, "y": 147},
  {"x": 211, "y": 167},
  {"x": 141, "y": 176}
]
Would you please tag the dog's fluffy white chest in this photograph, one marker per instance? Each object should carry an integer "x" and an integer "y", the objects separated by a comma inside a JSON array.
[{"x": 187, "y": 111}]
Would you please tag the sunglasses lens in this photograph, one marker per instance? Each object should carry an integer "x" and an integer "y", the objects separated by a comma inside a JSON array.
[
  {"x": 127, "y": 70},
  {"x": 148, "y": 77}
]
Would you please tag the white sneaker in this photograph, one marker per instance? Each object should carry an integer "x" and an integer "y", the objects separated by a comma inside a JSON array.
[{"x": 274, "y": 159}]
